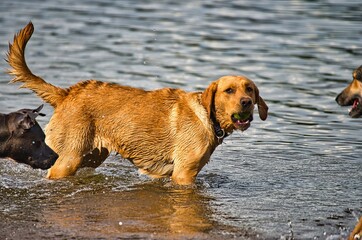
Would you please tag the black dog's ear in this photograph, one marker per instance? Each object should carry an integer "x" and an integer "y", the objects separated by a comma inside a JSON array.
[
  {"x": 25, "y": 121},
  {"x": 33, "y": 113},
  {"x": 27, "y": 118},
  {"x": 36, "y": 112}
]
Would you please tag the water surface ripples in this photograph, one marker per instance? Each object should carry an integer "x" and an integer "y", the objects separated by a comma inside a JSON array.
[{"x": 300, "y": 167}]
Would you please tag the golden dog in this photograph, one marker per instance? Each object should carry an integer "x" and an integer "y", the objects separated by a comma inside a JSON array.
[
  {"x": 356, "y": 234},
  {"x": 352, "y": 94},
  {"x": 165, "y": 133}
]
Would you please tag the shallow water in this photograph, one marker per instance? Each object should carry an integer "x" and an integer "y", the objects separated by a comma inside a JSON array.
[{"x": 298, "y": 174}]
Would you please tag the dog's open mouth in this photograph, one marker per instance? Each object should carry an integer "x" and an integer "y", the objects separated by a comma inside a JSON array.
[
  {"x": 356, "y": 109},
  {"x": 242, "y": 120}
]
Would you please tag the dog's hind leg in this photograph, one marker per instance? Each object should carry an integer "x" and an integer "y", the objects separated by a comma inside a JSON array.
[
  {"x": 64, "y": 167},
  {"x": 72, "y": 144},
  {"x": 69, "y": 166}
]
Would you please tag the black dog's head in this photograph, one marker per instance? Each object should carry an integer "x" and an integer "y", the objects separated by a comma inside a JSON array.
[
  {"x": 352, "y": 94},
  {"x": 22, "y": 139}
]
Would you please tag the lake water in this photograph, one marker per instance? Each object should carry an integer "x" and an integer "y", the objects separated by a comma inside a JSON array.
[{"x": 296, "y": 175}]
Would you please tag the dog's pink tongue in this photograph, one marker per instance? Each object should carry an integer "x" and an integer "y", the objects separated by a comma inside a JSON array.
[
  {"x": 355, "y": 103},
  {"x": 242, "y": 124}
]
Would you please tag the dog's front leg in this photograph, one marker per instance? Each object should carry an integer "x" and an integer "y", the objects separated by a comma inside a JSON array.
[
  {"x": 184, "y": 173},
  {"x": 184, "y": 178}
]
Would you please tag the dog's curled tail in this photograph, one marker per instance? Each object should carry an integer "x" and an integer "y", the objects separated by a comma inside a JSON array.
[{"x": 16, "y": 59}]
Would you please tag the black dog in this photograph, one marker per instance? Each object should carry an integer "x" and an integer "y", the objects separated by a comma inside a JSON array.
[
  {"x": 352, "y": 94},
  {"x": 22, "y": 139}
]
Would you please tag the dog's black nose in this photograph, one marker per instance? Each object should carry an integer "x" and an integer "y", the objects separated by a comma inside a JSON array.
[{"x": 245, "y": 102}]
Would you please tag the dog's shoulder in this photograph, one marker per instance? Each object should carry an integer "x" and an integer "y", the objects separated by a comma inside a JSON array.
[
  {"x": 189, "y": 111},
  {"x": 194, "y": 101}
]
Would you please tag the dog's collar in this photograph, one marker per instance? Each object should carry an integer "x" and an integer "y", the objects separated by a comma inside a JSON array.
[{"x": 220, "y": 133}]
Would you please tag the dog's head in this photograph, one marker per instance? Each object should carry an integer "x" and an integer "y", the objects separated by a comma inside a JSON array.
[
  {"x": 24, "y": 140},
  {"x": 230, "y": 101},
  {"x": 352, "y": 94}
]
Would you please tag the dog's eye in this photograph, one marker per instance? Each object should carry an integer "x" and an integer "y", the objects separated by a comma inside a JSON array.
[
  {"x": 36, "y": 143},
  {"x": 229, "y": 91},
  {"x": 249, "y": 89}
]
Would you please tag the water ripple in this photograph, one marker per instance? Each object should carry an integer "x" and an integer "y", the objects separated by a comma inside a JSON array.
[{"x": 300, "y": 166}]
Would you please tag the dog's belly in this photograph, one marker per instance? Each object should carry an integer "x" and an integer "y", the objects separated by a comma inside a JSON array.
[
  {"x": 149, "y": 151},
  {"x": 156, "y": 169},
  {"x": 149, "y": 159}
]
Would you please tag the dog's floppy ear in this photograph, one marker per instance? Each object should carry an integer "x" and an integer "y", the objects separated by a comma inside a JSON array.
[
  {"x": 262, "y": 107},
  {"x": 208, "y": 98}
]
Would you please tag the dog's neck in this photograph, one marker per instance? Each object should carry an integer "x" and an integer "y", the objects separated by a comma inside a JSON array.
[{"x": 220, "y": 133}]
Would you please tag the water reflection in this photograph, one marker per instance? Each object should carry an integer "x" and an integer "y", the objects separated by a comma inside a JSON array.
[{"x": 145, "y": 210}]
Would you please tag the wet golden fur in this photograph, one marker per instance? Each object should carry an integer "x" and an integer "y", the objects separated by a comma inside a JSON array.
[
  {"x": 356, "y": 234},
  {"x": 165, "y": 132}
]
